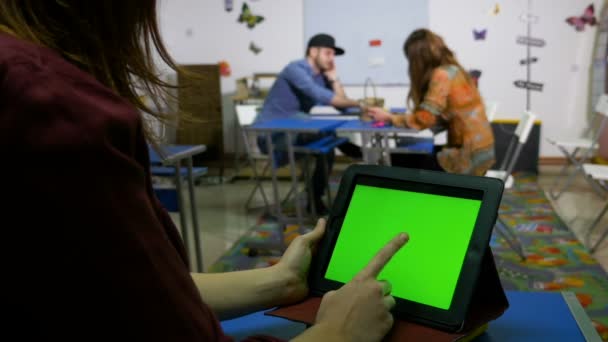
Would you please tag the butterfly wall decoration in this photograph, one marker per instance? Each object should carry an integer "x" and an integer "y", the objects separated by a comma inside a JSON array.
[
  {"x": 475, "y": 75},
  {"x": 254, "y": 48},
  {"x": 588, "y": 18},
  {"x": 225, "y": 69},
  {"x": 480, "y": 35},
  {"x": 495, "y": 10},
  {"x": 249, "y": 18}
]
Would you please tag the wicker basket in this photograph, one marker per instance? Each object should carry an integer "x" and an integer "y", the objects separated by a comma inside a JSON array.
[{"x": 368, "y": 101}]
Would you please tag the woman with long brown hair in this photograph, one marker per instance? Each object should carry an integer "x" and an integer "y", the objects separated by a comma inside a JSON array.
[
  {"x": 443, "y": 94},
  {"x": 88, "y": 252}
]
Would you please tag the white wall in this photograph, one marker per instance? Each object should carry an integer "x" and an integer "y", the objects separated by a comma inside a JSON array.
[
  {"x": 563, "y": 66},
  {"x": 564, "y": 63},
  {"x": 202, "y": 32}
]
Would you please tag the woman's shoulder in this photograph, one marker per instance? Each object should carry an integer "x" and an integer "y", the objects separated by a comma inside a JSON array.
[
  {"x": 41, "y": 90},
  {"x": 23, "y": 63},
  {"x": 449, "y": 71}
]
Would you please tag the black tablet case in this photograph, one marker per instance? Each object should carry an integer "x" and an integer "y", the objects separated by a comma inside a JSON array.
[{"x": 488, "y": 302}]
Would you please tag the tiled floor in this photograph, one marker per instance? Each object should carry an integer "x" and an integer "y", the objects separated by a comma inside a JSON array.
[
  {"x": 223, "y": 218},
  {"x": 222, "y": 214}
]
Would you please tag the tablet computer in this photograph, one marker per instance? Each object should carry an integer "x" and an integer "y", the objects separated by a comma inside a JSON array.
[{"x": 449, "y": 219}]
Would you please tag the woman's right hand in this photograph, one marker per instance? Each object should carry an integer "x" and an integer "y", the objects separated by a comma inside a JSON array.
[
  {"x": 378, "y": 114},
  {"x": 360, "y": 310}
]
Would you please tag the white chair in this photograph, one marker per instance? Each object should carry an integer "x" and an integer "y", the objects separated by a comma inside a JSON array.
[
  {"x": 245, "y": 116},
  {"x": 491, "y": 109},
  {"x": 519, "y": 139},
  {"x": 580, "y": 151},
  {"x": 599, "y": 174}
]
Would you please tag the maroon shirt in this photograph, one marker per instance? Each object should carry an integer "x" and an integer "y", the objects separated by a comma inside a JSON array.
[{"x": 87, "y": 251}]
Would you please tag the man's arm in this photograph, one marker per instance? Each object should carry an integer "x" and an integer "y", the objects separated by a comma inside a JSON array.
[
  {"x": 298, "y": 78},
  {"x": 340, "y": 99}
]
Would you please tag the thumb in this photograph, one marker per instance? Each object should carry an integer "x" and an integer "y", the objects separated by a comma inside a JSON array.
[
  {"x": 317, "y": 233},
  {"x": 329, "y": 294}
]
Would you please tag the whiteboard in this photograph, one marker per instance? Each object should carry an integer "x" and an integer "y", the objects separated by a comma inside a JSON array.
[{"x": 355, "y": 22}]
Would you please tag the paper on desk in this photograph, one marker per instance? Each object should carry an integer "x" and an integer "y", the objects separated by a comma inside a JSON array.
[{"x": 324, "y": 110}]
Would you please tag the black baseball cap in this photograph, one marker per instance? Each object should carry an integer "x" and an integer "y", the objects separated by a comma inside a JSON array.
[{"x": 325, "y": 40}]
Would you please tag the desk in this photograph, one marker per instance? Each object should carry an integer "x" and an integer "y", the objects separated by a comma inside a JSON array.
[
  {"x": 290, "y": 127},
  {"x": 532, "y": 316},
  {"x": 367, "y": 131},
  {"x": 174, "y": 155}
]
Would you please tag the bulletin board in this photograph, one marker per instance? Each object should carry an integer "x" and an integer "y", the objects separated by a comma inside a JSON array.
[{"x": 358, "y": 26}]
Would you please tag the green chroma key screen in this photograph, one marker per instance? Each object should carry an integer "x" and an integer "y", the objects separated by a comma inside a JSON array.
[{"x": 427, "y": 268}]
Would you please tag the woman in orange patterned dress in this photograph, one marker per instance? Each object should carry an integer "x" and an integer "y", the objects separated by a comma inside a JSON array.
[{"x": 442, "y": 94}]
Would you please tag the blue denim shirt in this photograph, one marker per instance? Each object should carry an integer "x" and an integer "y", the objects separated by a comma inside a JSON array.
[{"x": 297, "y": 89}]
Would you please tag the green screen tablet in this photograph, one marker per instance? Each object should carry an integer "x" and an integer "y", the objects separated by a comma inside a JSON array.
[
  {"x": 449, "y": 219},
  {"x": 440, "y": 229}
]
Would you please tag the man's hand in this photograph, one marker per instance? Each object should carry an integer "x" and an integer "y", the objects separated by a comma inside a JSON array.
[
  {"x": 331, "y": 74},
  {"x": 296, "y": 261},
  {"x": 378, "y": 114}
]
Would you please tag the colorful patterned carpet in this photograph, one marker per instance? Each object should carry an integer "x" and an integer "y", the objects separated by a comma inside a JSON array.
[{"x": 556, "y": 260}]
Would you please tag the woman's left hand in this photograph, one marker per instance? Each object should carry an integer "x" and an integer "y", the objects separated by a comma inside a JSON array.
[{"x": 296, "y": 261}]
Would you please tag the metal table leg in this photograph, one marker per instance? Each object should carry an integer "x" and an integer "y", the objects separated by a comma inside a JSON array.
[
  {"x": 309, "y": 185},
  {"x": 386, "y": 150},
  {"x": 294, "y": 180},
  {"x": 193, "y": 211},
  {"x": 325, "y": 162},
  {"x": 273, "y": 172},
  {"x": 365, "y": 149},
  {"x": 180, "y": 205}
]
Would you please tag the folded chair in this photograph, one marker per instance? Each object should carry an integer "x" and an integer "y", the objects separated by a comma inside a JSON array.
[
  {"x": 599, "y": 174},
  {"x": 491, "y": 109},
  {"x": 245, "y": 116},
  {"x": 580, "y": 151},
  {"x": 519, "y": 139}
]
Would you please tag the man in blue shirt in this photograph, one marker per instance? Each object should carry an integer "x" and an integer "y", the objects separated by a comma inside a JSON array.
[
  {"x": 307, "y": 82},
  {"x": 301, "y": 85}
]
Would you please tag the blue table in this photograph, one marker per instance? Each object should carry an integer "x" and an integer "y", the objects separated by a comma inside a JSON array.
[
  {"x": 541, "y": 316},
  {"x": 297, "y": 125},
  {"x": 532, "y": 316},
  {"x": 368, "y": 131},
  {"x": 174, "y": 155},
  {"x": 290, "y": 127}
]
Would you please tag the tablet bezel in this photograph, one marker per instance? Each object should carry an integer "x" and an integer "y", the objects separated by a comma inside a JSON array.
[{"x": 448, "y": 320}]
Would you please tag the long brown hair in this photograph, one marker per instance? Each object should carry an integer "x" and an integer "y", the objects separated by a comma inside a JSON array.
[
  {"x": 113, "y": 40},
  {"x": 425, "y": 52}
]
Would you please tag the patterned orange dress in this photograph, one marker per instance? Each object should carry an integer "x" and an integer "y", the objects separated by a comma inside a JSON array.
[{"x": 453, "y": 101}]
